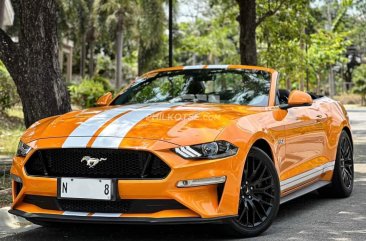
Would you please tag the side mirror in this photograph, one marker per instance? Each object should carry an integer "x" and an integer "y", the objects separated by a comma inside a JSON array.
[
  {"x": 297, "y": 98},
  {"x": 104, "y": 99}
]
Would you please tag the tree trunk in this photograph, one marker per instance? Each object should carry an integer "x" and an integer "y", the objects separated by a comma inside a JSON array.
[
  {"x": 33, "y": 62},
  {"x": 318, "y": 81},
  {"x": 83, "y": 56},
  {"x": 119, "y": 45},
  {"x": 141, "y": 61},
  {"x": 348, "y": 78},
  {"x": 288, "y": 84},
  {"x": 247, "y": 22},
  {"x": 91, "y": 59}
]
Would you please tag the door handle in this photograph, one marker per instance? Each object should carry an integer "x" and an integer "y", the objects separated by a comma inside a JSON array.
[{"x": 319, "y": 118}]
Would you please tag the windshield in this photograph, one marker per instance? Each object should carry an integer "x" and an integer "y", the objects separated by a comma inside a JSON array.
[{"x": 245, "y": 87}]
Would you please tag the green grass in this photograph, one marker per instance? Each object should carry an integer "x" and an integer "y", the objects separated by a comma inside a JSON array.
[
  {"x": 11, "y": 128},
  {"x": 5, "y": 184}
]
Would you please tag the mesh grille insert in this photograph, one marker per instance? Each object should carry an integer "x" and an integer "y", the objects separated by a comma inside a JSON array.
[
  {"x": 124, "y": 164},
  {"x": 95, "y": 206}
]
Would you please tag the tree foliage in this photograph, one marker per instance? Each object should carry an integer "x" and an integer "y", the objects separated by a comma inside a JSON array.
[
  {"x": 88, "y": 91},
  {"x": 360, "y": 82},
  {"x": 292, "y": 36},
  {"x": 302, "y": 39},
  {"x": 151, "y": 27},
  {"x": 8, "y": 94}
]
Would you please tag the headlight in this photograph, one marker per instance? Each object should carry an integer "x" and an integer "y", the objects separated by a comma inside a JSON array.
[
  {"x": 23, "y": 149},
  {"x": 211, "y": 150}
]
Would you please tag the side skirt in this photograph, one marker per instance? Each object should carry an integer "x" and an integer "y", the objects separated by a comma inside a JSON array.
[{"x": 304, "y": 191}]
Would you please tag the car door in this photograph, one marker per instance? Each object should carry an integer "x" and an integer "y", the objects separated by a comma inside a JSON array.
[{"x": 305, "y": 145}]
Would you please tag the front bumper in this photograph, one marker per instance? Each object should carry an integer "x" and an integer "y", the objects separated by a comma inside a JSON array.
[
  {"x": 116, "y": 220},
  {"x": 203, "y": 203}
]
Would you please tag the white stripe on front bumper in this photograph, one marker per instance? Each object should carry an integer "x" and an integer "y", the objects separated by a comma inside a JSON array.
[
  {"x": 108, "y": 215},
  {"x": 69, "y": 213}
]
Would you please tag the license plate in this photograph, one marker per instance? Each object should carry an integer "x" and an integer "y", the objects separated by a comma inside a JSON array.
[{"x": 85, "y": 188}]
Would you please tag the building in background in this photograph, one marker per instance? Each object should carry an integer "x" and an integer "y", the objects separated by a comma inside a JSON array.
[
  {"x": 66, "y": 47},
  {"x": 6, "y": 14}
]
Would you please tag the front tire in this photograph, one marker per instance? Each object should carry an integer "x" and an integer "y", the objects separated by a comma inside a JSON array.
[
  {"x": 259, "y": 198},
  {"x": 343, "y": 174}
]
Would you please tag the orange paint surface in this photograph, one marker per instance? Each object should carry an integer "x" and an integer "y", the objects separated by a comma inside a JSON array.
[{"x": 300, "y": 139}]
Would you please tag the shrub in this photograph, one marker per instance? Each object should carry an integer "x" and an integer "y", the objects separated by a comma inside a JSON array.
[
  {"x": 361, "y": 90},
  {"x": 8, "y": 93},
  {"x": 88, "y": 91},
  {"x": 360, "y": 82},
  {"x": 348, "y": 99},
  {"x": 105, "y": 82}
]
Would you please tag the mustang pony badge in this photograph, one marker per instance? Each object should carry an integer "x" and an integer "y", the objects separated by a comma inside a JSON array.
[{"x": 91, "y": 161}]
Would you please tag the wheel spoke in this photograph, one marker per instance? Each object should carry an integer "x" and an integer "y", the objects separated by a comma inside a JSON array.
[
  {"x": 263, "y": 189},
  {"x": 260, "y": 178},
  {"x": 245, "y": 175},
  {"x": 243, "y": 212},
  {"x": 343, "y": 142},
  {"x": 347, "y": 152},
  {"x": 348, "y": 166},
  {"x": 265, "y": 193},
  {"x": 247, "y": 215},
  {"x": 349, "y": 175},
  {"x": 255, "y": 171},
  {"x": 254, "y": 209},
  {"x": 263, "y": 180},
  {"x": 344, "y": 176},
  {"x": 267, "y": 203},
  {"x": 262, "y": 208}
]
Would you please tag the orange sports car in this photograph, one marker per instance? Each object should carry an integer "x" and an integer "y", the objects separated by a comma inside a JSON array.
[{"x": 195, "y": 144}]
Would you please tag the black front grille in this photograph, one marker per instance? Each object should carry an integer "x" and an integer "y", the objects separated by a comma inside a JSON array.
[
  {"x": 95, "y": 206},
  {"x": 123, "y": 164}
]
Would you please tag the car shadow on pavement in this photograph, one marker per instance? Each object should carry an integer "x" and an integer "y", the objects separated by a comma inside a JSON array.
[
  {"x": 161, "y": 232},
  {"x": 302, "y": 218}
]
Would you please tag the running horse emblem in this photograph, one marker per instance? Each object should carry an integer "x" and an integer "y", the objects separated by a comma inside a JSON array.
[{"x": 91, "y": 162}]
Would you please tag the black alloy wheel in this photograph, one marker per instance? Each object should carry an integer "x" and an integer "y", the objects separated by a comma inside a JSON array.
[
  {"x": 259, "y": 196},
  {"x": 343, "y": 174},
  {"x": 346, "y": 162}
]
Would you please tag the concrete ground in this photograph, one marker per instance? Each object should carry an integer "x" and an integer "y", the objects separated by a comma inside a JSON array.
[{"x": 307, "y": 218}]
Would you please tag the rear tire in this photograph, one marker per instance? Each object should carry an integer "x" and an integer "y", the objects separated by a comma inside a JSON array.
[
  {"x": 259, "y": 198},
  {"x": 343, "y": 174}
]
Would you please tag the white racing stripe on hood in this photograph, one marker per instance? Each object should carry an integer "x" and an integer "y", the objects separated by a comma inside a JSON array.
[
  {"x": 217, "y": 66},
  {"x": 82, "y": 134},
  {"x": 121, "y": 126},
  {"x": 194, "y": 67}
]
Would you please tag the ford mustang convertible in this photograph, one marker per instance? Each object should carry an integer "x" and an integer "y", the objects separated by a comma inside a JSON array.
[{"x": 196, "y": 144}]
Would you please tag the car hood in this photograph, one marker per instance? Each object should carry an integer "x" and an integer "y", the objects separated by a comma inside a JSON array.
[{"x": 176, "y": 123}]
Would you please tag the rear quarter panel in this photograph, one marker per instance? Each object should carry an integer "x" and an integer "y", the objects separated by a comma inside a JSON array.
[{"x": 337, "y": 120}]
